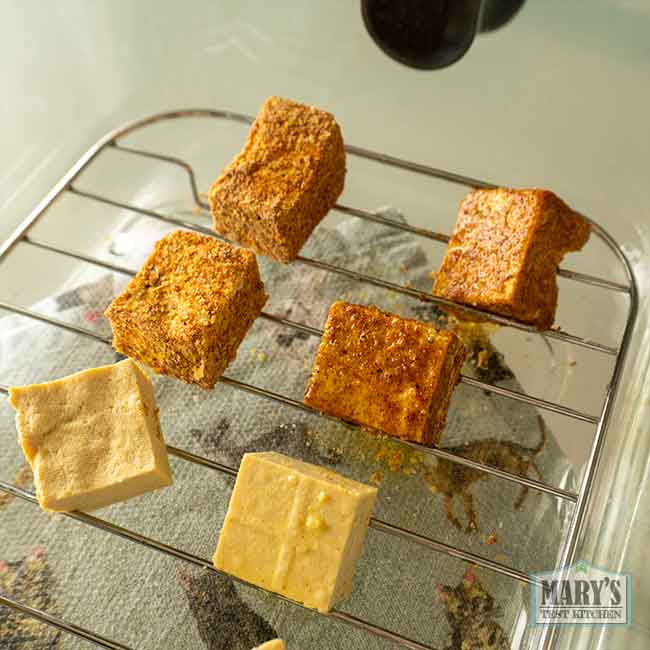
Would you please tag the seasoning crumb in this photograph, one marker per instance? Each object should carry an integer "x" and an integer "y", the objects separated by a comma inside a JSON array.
[
  {"x": 394, "y": 458},
  {"x": 261, "y": 357},
  {"x": 491, "y": 539},
  {"x": 377, "y": 477},
  {"x": 482, "y": 359}
]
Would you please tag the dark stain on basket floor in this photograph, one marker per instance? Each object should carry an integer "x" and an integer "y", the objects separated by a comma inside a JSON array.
[
  {"x": 452, "y": 479},
  {"x": 292, "y": 439},
  {"x": 286, "y": 339},
  {"x": 472, "y": 612},
  {"x": 29, "y": 581},
  {"x": 224, "y": 621},
  {"x": 212, "y": 440}
]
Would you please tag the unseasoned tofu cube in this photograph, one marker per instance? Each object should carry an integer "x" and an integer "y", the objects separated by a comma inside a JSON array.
[
  {"x": 275, "y": 644},
  {"x": 505, "y": 250},
  {"x": 92, "y": 438},
  {"x": 285, "y": 180},
  {"x": 382, "y": 371},
  {"x": 295, "y": 529},
  {"x": 189, "y": 307}
]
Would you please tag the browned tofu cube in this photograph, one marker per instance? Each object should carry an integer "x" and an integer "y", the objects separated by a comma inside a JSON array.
[
  {"x": 385, "y": 372},
  {"x": 188, "y": 308},
  {"x": 505, "y": 250},
  {"x": 285, "y": 180}
]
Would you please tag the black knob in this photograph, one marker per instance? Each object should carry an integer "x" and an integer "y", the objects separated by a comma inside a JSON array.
[{"x": 430, "y": 34}]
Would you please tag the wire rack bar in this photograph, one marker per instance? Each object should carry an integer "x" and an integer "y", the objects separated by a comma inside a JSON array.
[
  {"x": 477, "y": 314},
  {"x": 287, "y": 401},
  {"x": 207, "y": 565},
  {"x": 431, "y": 451},
  {"x": 585, "y": 278},
  {"x": 167, "y": 159},
  {"x": 59, "y": 623},
  {"x": 374, "y": 522},
  {"x": 312, "y": 331},
  {"x": 383, "y": 526},
  {"x": 422, "y": 296},
  {"x": 117, "y": 268},
  {"x": 579, "y": 515},
  {"x": 378, "y": 524}
]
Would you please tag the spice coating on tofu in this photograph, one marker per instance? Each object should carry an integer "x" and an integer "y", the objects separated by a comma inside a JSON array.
[
  {"x": 187, "y": 310},
  {"x": 286, "y": 179},
  {"x": 505, "y": 250},
  {"x": 382, "y": 371}
]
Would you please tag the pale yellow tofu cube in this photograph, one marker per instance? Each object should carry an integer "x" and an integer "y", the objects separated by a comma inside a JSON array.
[
  {"x": 92, "y": 438},
  {"x": 275, "y": 644},
  {"x": 295, "y": 529}
]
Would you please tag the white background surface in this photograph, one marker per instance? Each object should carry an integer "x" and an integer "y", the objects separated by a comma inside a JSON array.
[{"x": 558, "y": 98}]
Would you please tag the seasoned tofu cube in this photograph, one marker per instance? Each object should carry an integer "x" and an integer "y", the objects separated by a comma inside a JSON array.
[
  {"x": 285, "y": 180},
  {"x": 92, "y": 438},
  {"x": 505, "y": 250},
  {"x": 189, "y": 307},
  {"x": 382, "y": 371},
  {"x": 295, "y": 529}
]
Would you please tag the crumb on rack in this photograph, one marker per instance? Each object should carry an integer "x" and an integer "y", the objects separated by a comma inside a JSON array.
[
  {"x": 393, "y": 458},
  {"x": 491, "y": 539},
  {"x": 482, "y": 359},
  {"x": 397, "y": 460},
  {"x": 377, "y": 477}
]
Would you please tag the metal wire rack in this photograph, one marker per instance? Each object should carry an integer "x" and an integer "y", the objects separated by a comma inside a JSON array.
[{"x": 600, "y": 420}]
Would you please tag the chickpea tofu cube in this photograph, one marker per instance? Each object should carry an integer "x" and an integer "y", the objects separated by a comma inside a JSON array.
[
  {"x": 92, "y": 438},
  {"x": 286, "y": 179},
  {"x": 295, "y": 529},
  {"x": 505, "y": 250},
  {"x": 382, "y": 371},
  {"x": 189, "y": 307}
]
